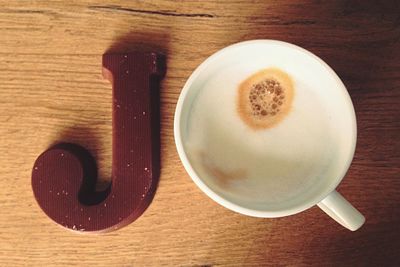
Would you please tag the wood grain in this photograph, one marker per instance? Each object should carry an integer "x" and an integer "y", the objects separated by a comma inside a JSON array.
[{"x": 51, "y": 89}]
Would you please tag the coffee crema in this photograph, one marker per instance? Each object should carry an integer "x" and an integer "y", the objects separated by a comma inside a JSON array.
[{"x": 265, "y": 98}]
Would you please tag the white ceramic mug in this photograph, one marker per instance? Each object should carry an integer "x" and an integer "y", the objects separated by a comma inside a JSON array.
[{"x": 232, "y": 65}]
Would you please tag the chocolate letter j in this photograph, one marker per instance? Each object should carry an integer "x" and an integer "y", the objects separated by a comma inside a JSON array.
[{"x": 64, "y": 176}]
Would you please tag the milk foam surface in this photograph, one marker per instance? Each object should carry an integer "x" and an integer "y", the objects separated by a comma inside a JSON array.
[{"x": 269, "y": 165}]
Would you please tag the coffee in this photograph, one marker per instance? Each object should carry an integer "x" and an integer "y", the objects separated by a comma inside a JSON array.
[{"x": 267, "y": 129}]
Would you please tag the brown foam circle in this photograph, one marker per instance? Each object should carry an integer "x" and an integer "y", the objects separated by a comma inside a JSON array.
[
  {"x": 64, "y": 176},
  {"x": 265, "y": 98}
]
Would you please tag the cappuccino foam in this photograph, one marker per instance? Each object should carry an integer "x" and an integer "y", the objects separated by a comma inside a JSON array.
[{"x": 258, "y": 135}]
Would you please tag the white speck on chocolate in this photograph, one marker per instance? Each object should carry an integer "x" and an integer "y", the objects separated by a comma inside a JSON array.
[
  {"x": 88, "y": 218},
  {"x": 105, "y": 204},
  {"x": 62, "y": 154},
  {"x": 36, "y": 168},
  {"x": 145, "y": 168},
  {"x": 144, "y": 112}
]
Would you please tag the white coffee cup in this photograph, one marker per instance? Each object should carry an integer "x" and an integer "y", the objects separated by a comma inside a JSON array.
[{"x": 312, "y": 152}]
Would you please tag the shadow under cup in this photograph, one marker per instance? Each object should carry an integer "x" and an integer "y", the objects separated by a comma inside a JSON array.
[{"x": 271, "y": 172}]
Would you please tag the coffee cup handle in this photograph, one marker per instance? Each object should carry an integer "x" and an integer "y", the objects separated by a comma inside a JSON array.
[{"x": 339, "y": 209}]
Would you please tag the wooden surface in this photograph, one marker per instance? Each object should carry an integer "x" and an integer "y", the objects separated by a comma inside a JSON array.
[{"x": 51, "y": 89}]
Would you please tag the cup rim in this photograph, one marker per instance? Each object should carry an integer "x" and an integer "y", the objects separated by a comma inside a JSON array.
[{"x": 215, "y": 196}]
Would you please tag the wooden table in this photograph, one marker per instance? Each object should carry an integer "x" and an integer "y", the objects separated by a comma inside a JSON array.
[{"x": 51, "y": 89}]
